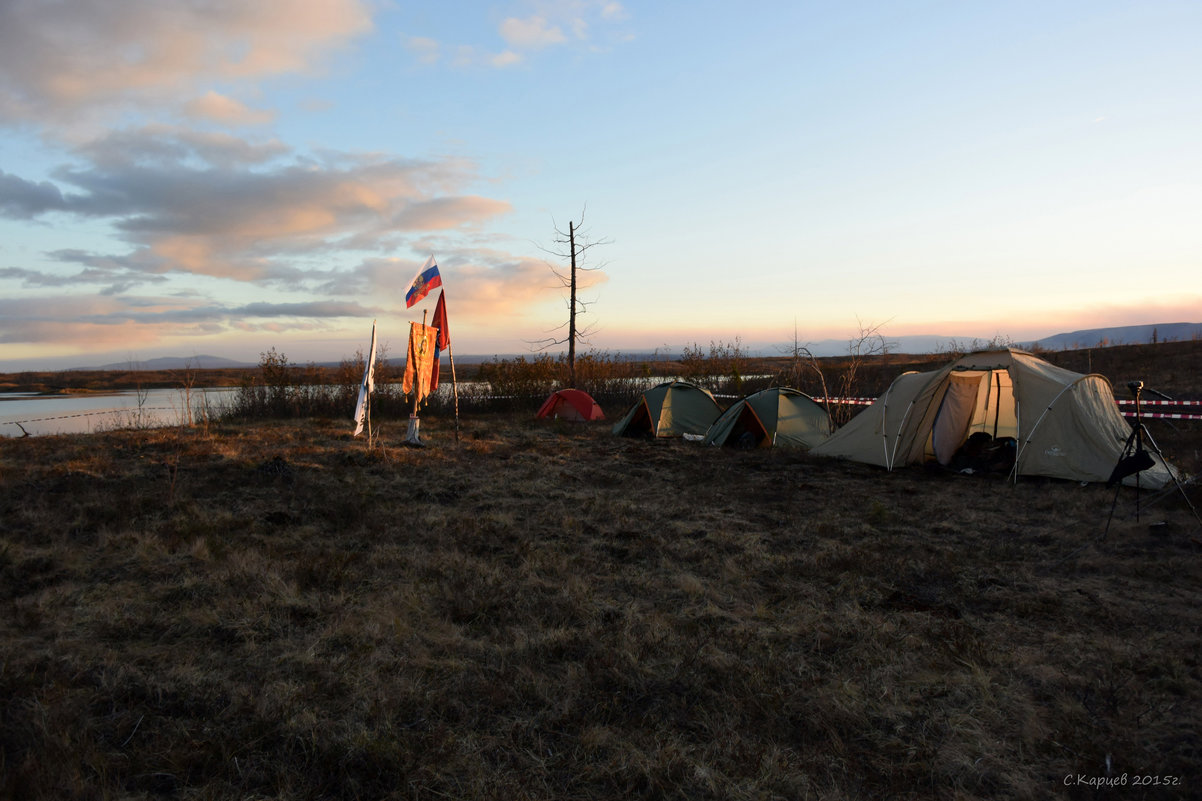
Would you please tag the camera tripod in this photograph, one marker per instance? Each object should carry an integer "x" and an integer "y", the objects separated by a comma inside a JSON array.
[{"x": 1135, "y": 458}]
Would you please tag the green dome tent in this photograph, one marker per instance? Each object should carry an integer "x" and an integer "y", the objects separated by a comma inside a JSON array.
[
  {"x": 778, "y": 416},
  {"x": 672, "y": 409},
  {"x": 1055, "y": 422}
]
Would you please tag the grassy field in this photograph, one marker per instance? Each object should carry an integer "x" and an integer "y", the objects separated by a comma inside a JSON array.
[{"x": 271, "y": 610}]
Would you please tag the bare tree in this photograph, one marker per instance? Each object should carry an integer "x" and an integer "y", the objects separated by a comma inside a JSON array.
[
  {"x": 803, "y": 360},
  {"x": 867, "y": 344},
  {"x": 571, "y": 247}
]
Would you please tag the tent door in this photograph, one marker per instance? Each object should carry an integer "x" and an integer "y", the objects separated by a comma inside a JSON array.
[
  {"x": 956, "y": 412},
  {"x": 974, "y": 402}
]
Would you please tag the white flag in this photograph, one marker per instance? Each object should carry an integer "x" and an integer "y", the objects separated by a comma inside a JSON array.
[{"x": 367, "y": 386}]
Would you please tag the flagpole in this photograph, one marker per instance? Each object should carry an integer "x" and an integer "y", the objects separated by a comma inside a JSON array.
[
  {"x": 417, "y": 394},
  {"x": 454, "y": 388},
  {"x": 371, "y": 367}
]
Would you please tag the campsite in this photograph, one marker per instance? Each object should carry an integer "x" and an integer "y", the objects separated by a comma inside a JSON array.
[{"x": 254, "y": 608}]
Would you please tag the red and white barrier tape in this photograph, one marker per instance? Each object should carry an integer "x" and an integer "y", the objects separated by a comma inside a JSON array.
[
  {"x": 1126, "y": 402},
  {"x": 1126, "y": 407}
]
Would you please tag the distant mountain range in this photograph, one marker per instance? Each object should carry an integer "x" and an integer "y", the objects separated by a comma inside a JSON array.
[
  {"x": 927, "y": 343},
  {"x": 173, "y": 363},
  {"x": 1088, "y": 338},
  {"x": 1120, "y": 335}
]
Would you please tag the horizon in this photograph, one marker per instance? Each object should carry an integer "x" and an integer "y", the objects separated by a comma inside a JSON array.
[{"x": 234, "y": 179}]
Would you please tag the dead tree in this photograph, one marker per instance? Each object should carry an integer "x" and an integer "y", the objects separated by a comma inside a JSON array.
[{"x": 571, "y": 247}]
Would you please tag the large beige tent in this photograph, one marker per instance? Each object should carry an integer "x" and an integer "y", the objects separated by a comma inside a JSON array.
[
  {"x": 778, "y": 416},
  {"x": 672, "y": 409},
  {"x": 1059, "y": 423}
]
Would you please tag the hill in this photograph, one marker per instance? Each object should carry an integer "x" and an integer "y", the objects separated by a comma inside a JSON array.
[
  {"x": 1120, "y": 335},
  {"x": 202, "y": 362}
]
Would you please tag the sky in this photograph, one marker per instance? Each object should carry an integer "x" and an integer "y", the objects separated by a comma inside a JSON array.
[{"x": 187, "y": 177}]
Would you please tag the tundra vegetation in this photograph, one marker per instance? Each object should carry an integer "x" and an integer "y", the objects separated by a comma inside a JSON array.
[{"x": 263, "y": 607}]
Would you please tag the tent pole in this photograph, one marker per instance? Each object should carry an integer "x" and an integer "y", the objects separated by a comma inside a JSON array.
[
  {"x": 897, "y": 436},
  {"x": 997, "y": 407}
]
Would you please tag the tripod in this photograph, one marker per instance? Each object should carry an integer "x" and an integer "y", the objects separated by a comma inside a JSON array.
[{"x": 1135, "y": 459}]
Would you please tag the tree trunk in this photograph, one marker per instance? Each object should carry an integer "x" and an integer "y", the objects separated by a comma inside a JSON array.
[{"x": 572, "y": 310}]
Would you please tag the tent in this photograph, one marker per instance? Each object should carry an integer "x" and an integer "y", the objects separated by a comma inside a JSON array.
[
  {"x": 1005, "y": 409},
  {"x": 672, "y": 409},
  {"x": 776, "y": 416},
  {"x": 570, "y": 404}
]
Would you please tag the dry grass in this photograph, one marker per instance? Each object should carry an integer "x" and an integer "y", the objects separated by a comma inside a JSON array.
[{"x": 273, "y": 611}]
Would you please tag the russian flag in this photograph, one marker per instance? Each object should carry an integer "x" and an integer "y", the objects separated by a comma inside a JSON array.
[{"x": 427, "y": 278}]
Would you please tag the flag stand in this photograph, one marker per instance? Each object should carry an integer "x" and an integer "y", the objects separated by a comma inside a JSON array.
[{"x": 411, "y": 435}]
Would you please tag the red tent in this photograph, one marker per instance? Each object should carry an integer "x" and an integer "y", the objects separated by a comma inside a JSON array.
[{"x": 571, "y": 404}]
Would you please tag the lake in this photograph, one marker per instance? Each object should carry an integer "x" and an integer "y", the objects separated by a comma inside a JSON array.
[{"x": 95, "y": 411}]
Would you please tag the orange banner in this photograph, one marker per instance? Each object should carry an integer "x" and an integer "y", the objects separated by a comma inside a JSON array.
[{"x": 420, "y": 359}]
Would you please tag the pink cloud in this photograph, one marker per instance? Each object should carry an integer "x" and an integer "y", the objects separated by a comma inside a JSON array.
[
  {"x": 63, "y": 60},
  {"x": 219, "y": 108}
]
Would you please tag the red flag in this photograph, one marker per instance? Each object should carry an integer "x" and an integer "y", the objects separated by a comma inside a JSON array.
[{"x": 444, "y": 336}]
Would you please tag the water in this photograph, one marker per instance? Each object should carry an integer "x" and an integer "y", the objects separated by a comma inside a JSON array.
[{"x": 95, "y": 411}]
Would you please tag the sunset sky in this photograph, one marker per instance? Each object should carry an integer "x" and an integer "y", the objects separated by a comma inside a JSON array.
[{"x": 221, "y": 177}]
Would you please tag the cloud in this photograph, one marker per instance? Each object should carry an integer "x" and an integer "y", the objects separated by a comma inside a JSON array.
[
  {"x": 186, "y": 202},
  {"x": 532, "y": 33},
  {"x": 483, "y": 282},
  {"x": 427, "y": 50},
  {"x": 61, "y": 61},
  {"x": 167, "y": 145},
  {"x": 219, "y": 108},
  {"x": 322, "y": 308},
  {"x": 104, "y": 320},
  {"x": 102, "y": 270},
  {"x": 613, "y": 12},
  {"x": 24, "y": 200},
  {"x": 507, "y": 58},
  {"x": 553, "y": 24},
  {"x": 490, "y": 282}
]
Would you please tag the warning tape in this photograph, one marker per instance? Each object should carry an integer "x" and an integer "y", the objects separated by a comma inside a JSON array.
[
  {"x": 1195, "y": 407},
  {"x": 1192, "y": 409},
  {"x": 847, "y": 401},
  {"x": 1164, "y": 416},
  {"x": 1125, "y": 402}
]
